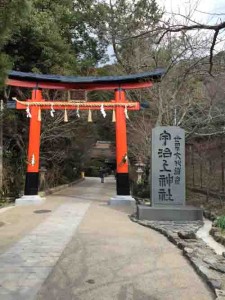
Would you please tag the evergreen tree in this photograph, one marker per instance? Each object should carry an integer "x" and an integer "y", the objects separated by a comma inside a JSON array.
[
  {"x": 54, "y": 38},
  {"x": 10, "y": 13}
]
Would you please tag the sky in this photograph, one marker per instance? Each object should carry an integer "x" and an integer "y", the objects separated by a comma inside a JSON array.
[{"x": 203, "y": 7}]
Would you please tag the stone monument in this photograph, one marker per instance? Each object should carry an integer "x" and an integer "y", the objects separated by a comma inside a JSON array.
[
  {"x": 168, "y": 166},
  {"x": 168, "y": 178}
]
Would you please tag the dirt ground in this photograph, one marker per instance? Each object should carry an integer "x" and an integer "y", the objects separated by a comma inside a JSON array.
[{"x": 212, "y": 204}]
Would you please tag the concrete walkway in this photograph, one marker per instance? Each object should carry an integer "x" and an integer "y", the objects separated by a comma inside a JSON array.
[{"x": 105, "y": 256}]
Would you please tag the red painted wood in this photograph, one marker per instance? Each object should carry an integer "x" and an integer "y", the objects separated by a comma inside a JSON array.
[
  {"x": 121, "y": 133},
  {"x": 34, "y": 134},
  {"x": 84, "y": 86}
]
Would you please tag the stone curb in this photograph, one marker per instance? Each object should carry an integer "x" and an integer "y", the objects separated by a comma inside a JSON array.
[
  {"x": 61, "y": 187},
  {"x": 209, "y": 265},
  {"x": 209, "y": 215},
  {"x": 215, "y": 231}
]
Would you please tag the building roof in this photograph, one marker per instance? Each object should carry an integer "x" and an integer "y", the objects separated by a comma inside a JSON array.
[{"x": 103, "y": 149}]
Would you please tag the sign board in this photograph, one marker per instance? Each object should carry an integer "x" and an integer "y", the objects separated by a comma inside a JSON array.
[{"x": 168, "y": 166}]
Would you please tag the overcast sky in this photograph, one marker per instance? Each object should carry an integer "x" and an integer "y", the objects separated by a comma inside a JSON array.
[{"x": 203, "y": 7}]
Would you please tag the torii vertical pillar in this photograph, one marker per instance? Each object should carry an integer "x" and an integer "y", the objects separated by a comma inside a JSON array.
[
  {"x": 32, "y": 176},
  {"x": 122, "y": 176}
]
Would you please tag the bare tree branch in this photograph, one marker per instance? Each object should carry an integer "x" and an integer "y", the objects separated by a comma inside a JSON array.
[
  {"x": 211, "y": 51},
  {"x": 180, "y": 28}
]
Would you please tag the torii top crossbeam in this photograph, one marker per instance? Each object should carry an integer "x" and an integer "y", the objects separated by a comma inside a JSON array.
[{"x": 134, "y": 81}]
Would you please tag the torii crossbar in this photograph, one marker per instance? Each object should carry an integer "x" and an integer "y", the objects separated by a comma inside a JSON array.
[{"x": 119, "y": 105}]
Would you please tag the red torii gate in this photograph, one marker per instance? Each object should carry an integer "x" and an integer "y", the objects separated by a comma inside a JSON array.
[{"x": 36, "y": 104}]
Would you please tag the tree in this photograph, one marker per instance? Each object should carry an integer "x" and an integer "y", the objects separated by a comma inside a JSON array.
[
  {"x": 55, "y": 38},
  {"x": 181, "y": 24},
  {"x": 10, "y": 12},
  {"x": 126, "y": 18}
]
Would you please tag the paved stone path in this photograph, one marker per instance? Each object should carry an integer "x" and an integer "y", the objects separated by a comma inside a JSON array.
[
  {"x": 108, "y": 257},
  {"x": 27, "y": 264}
]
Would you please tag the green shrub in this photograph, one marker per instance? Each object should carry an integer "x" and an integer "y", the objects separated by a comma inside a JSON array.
[
  {"x": 141, "y": 190},
  {"x": 92, "y": 172},
  {"x": 220, "y": 222}
]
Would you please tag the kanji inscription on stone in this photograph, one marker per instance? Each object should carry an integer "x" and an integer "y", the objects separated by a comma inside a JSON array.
[{"x": 168, "y": 166}]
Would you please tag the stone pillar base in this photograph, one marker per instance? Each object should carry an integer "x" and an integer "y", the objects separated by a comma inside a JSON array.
[
  {"x": 167, "y": 213},
  {"x": 30, "y": 200},
  {"x": 122, "y": 200}
]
